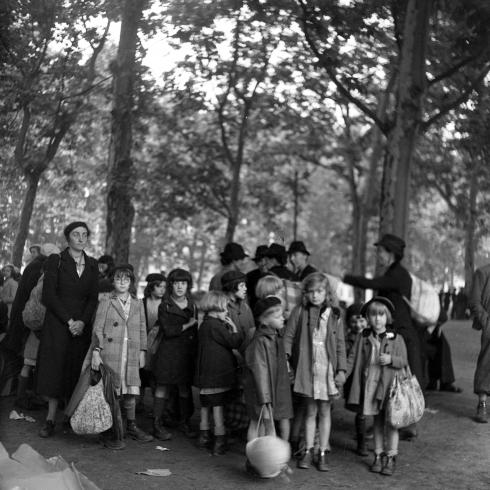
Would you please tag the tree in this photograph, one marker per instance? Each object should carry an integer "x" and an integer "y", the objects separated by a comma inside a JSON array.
[
  {"x": 120, "y": 181},
  {"x": 48, "y": 79}
]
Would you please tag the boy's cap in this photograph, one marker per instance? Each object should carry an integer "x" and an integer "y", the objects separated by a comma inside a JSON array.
[
  {"x": 265, "y": 304},
  {"x": 230, "y": 278},
  {"x": 379, "y": 299}
]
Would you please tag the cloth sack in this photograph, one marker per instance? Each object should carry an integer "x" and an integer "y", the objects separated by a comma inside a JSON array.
[
  {"x": 34, "y": 311},
  {"x": 424, "y": 303},
  {"x": 93, "y": 413},
  {"x": 405, "y": 405},
  {"x": 268, "y": 454}
]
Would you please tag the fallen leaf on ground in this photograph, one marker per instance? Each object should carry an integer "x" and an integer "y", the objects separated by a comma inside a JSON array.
[{"x": 160, "y": 448}]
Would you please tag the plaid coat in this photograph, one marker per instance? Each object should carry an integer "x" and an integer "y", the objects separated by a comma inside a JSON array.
[{"x": 108, "y": 334}]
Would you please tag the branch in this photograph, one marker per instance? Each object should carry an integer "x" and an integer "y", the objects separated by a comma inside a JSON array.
[
  {"x": 458, "y": 101},
  {"x": 450, "y": 71}
]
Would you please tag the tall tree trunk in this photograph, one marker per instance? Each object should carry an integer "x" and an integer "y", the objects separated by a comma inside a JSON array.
[
  {"x": 296, "y": 205},
  {"x": 32, "y": 179},
  {"x": 120, "y": 181},
  {"x": 401, "y": 141},
  {"x": 469, "y": 242},
  {"x": 234, "y": 201},
  {"x": 202, "y": 264}
]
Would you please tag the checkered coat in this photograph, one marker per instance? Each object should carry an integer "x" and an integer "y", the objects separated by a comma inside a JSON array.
[{"x": 108, "y": 333}]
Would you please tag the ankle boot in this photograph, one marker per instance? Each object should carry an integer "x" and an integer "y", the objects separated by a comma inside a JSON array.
[
  {"x": 305, "y": 462},
  {"x": 481, "y": 413},
  {"x": 133, "y": 431},
  {"x": 377, "y": 465},
  {"x": 389, "y": 466},
  {"x": 47, "y": 430},
  {"x": 160, "y": 432},
  {"x": 204, "y": 439},
  {"x": 361, "y": 435},
  {"x": 219, "y": 447}
]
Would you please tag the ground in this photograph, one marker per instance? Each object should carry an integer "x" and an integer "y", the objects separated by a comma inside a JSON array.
[{"x": 452, "y": 452}]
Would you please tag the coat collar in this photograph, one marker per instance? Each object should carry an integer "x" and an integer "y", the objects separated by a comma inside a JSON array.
[
  {"x": 172, "y": 306},
  {"x": 389, "y": 334},
  {"x": 65, "y": 255}
]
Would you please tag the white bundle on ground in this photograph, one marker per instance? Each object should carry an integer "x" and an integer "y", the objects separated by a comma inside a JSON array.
[{"x": 28, "y": 470}]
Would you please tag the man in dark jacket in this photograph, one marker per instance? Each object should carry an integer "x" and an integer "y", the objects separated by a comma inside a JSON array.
[
  {"x": 395, "y": 284},
  {"x": 254, "y": 275},
  {"x": 298, "y": 256}
]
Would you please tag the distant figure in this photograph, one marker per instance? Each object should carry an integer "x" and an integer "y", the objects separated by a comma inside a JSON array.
[
  {"x": 7, "y": 293},
  {"x": 480, "y": 309},
  {"x": 254, "y": 275},
  {"x": 35, "y": 251},
  {"x": 298, "y": 256},
  {"x": 106, "y": 265},
  {"x": 232, "y": 259},
  {"x": 277, "y": 258}
]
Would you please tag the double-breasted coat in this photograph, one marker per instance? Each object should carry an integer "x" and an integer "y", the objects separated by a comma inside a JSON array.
[
  {"x": 266, "y": 377},
  {"x": 175, "y": 360},
  {"x": 480, "y": 309},
  {"x": 66, "y": 296},
  {"x": 358, "y": 366},
  {"x": 298, "y": 343},
  {"x": 108, "y": 333},
  {"x": 216, "y": 365}
]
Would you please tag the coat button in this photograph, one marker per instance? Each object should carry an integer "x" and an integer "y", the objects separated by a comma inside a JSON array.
[
  {"x": 109, "y": 339},
  {"x": 116, "y": 324}
]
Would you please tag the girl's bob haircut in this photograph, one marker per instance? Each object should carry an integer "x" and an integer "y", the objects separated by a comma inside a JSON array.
[
  {"x": 214, "y": 301},
  {"x": 378, "y": 307},
  {"x": 179, "y": 275},
  {"x": 317, "y": 280},
  {"x": 269, "y": 285}
]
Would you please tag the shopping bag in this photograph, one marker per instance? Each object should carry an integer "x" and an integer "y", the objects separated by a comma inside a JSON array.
[
  {"x": 268, "y": 455},
  {"x": 93, "y": 413},
  {"x": 405, "y": 405}
]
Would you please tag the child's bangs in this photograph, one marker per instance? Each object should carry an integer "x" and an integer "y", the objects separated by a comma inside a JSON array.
[{"x": 124, "y": 274}]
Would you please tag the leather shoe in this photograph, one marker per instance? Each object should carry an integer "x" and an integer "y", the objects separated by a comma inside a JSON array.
[
  {"x": 377, "y": 465},
  {"x": 305, "y": 462},
  {"x": 481, "y": 413},
  {"x": 137, "y": 434},
  {"x": 322, "y": 463},
  {"x": 389, "y": 466}
]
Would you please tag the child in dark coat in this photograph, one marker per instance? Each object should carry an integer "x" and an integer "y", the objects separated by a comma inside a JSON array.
[
  {"x": 216, "y": 366},
  {"x": 267, "y": 382},
  {"x": 373, "y": 361}
]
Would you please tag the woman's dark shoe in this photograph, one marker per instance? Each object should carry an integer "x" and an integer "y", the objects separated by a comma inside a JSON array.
[
  {"x": 389, "y": 466},
  {"x": 219, "y": 447},
  {"x": 47, "y": 430},
  {"x": 204, "y": 439},
  {"x": 305, "y": 461},
  {"x": 322, "y": 463},
  {"x": 133, "y": 431},
  {"x": 377, "y": 465}
]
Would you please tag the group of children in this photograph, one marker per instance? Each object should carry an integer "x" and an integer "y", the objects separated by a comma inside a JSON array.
[{"x": 292, "y": 367}]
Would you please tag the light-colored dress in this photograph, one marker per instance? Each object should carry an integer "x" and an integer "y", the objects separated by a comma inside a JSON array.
[
  {"x": 125, "y": 389},
  {"x": 323, "y": 375},
  {"x": 371, "y": 405}
]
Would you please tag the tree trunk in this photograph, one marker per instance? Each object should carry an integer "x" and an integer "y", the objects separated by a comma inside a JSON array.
[
  {"x": 296, "y": 205},
  {"x": 234, "y": 202},
  {"x": 120, "y": 181},
  {"x": 469, "y": 242},
  {"x": 32, "y": 180},
  {"x": 410, "y": 95},
  {"x": 202, "y": 264}
]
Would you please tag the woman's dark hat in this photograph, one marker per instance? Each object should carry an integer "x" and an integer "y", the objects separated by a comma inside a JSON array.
[
  {"x": 105, "y": 259},
  {"x": 260, "y": 252},
  {"x": 354, "y": 309},
  {"x": 378, "y": 299},
  {"x": 297, "y": 246},
  {"x": 265, "y": 304},
  {"x": 155, "y": 277},
  {"x": 231, "y": 278},
  {"x": 76, "y": 224},
  {"x": 233, "y": 251},
  {"x": 278, "y": 252},
  {"x": 392, "y": 243}
]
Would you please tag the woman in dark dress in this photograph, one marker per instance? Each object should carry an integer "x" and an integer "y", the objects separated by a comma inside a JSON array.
[{"x": 70, "y": 295}]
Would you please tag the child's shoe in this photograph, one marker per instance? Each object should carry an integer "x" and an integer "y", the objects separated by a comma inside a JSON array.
[
  {"x": 204, "y": 439},
  {"x": 219, "y": 446},
  {"x": 377, "y": 465},
  {"x": 188, "y": 430},
  {"x": 322, "y": 463},
  {"x": 305, "y": 461},
  {"x": 47, "y": 430},
  {"x": 159, "y": 431},
  {"x": 389, "y": 466},
  {"x": 136, "y": 433}
]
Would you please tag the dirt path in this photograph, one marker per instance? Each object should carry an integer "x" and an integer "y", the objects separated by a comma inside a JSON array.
[{"x": 452, "y": 452}]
